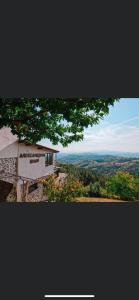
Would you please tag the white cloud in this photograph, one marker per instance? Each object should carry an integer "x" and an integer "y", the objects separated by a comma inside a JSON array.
[
  {"x": 116, "y": 137},
  {"x": 123, "y": 136}
]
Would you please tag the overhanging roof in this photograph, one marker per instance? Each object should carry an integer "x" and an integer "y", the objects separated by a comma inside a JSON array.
[{"x": 46, "y": 148}]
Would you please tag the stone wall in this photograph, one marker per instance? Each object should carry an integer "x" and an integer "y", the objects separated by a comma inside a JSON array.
[
  {"x": 8, "y": 165},
  {"x": 12, "y": 197},
  {"x": 36, "y": 195}
]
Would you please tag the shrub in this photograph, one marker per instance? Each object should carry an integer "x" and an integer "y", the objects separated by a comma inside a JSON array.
[
  {"x": 137, "y": 188},
  {"x": 94, "y": 189},
  {"x": 85, "y": 191},
  {"x": 65, "y": 192},
  {"x": 122, "y": 184},
  {"x": 103, "y": 193}
]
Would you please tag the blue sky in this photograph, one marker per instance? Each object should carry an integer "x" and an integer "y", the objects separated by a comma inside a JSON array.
[{"x": 119, "y": 131}]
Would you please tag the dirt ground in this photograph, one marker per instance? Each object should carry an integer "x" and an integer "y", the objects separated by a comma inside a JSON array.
[{"x": 87, "y": 199}]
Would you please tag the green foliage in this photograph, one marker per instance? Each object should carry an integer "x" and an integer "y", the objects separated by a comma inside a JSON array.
[
  {"x": 83, "y": 175},
  {"x": 104, "y": 193},
  {"x": 85, "y": 191},
  {"x": 120, "y": 185},
  {"x": 94, "y": 190},
  {"x": 65, "y": 192},
  {"x": 123, "y": 185},
  {"x": 58, "y": 119},
  {"x": 137, "y": 188}
]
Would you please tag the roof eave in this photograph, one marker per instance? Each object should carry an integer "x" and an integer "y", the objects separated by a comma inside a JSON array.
[{"x": 47, "y": 148}]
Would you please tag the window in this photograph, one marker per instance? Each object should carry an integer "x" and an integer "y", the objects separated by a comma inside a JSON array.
[
  {"x": 32, "y": 188},
  {"x": 48, "y": 159}
]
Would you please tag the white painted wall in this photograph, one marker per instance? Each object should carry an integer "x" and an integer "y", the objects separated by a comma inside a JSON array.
[{"x": 34, "y": 170}]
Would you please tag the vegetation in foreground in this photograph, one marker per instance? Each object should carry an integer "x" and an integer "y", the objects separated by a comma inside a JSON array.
[
  {"x": 66, "y": 191},
  {"x": 110, "y": 182},
  {"x": 120, "y": 186}
]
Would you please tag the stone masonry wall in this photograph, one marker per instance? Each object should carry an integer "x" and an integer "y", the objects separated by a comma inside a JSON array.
[
  {"x": 12, "y": 197},
  {"x": 36, "y": 195},
  {"x": 8, "y": 165}
]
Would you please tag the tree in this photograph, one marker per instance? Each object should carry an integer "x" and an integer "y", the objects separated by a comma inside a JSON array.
[
  {"x": 122, "y": 184},
  {"x": 61, "y": 120}
]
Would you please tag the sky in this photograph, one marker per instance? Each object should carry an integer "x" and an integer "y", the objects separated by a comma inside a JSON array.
[{"x": 118, "y": 131}]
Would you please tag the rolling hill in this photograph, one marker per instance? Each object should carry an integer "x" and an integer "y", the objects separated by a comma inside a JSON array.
[{"x": 103, "y": 163}]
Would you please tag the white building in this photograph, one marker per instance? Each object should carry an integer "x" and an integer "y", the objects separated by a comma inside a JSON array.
[{"x": 21, "y": 167}]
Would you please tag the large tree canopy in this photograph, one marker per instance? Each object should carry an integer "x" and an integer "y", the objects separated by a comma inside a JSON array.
[{"x": 58, "y": 119}]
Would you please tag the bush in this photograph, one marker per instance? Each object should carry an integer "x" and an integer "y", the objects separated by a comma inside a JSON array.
[
  {"x": 104, "y": 193},
  {"x": 137, "y": 188},
  {"x": 65, "y": 192},
  {"x": 85, "y": 191},
  {"x": 94, "y": 189},
  {"x": 123, "y": 185}
]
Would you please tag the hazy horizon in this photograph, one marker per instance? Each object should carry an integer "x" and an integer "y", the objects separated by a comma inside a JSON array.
[
  {"x": 99, "y": 152},
  {"x": 117, "y": 132}
]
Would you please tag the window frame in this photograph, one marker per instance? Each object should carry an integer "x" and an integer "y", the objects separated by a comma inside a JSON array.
[{"x": 48, "y": 159}]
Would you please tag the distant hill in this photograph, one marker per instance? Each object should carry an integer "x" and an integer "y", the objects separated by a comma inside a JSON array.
[
  {"x": 103, "y": 163},
  {"x": 91, "y": 155}
]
